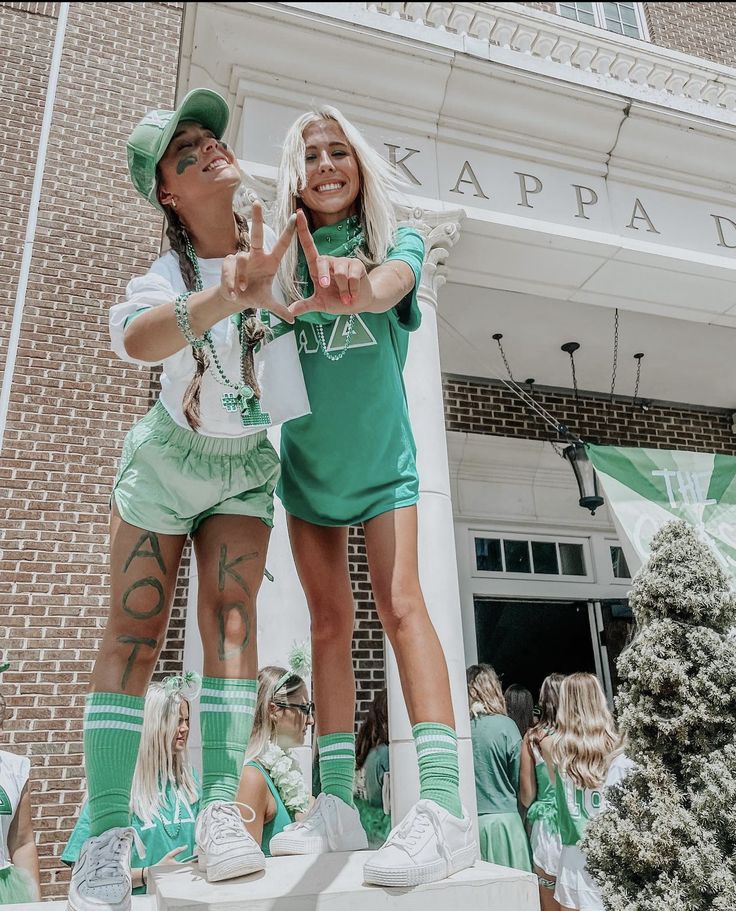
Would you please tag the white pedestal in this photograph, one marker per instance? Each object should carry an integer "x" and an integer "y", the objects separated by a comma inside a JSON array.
[
  {"x": 334, "y": 882},
  {"x": 140, "y": 903}
]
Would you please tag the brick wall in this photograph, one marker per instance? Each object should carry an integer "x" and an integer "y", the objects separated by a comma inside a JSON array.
[
  {"x": 706, "y": 30},
  {"x": 368, "y": 651},
  {"x": 487, "y": 407},
  {"x": 71, "y": 401}
]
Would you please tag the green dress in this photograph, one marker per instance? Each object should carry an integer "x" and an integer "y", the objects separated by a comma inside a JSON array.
[
  {"x": 369, "y": 796},
  {"x": 281, "y": 819},
  {"x": 497, "y": 760},
  {"x": 172, "y": 826},
  {"x": 354, "y": 456}
]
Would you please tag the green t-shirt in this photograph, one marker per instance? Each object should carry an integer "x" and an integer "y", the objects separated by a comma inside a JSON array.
[
  {"x": 172, "y": 827},
  {"x": 497, "y": 759},
  {"x": 354, "y": 456},
  {"x": 577, "y": 806}
]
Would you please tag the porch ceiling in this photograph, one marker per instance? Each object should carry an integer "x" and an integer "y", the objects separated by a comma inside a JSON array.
[{"x": 684, "y": 361}]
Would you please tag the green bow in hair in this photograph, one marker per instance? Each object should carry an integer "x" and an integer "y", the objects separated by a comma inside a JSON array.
[
  {"x": 299, "y": 664},
  {"x": 187, "y": 684}
]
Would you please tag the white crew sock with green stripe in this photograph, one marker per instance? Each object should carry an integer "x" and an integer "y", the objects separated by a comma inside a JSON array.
[
  {"x": 226, "y": 710},
  {"x": 337, "y": 765},
  {"x": 112, "y": 734},
  {"x": 439, "y": 776}
]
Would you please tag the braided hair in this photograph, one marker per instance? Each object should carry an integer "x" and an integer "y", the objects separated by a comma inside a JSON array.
[{"x": 252, "y": 330}]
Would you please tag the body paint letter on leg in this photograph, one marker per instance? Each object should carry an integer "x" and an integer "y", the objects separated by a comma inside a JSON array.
[
  {"x": 136, "y": 642},
  {"x": 154, "y": 552},
  {"x": 227, "y": 569}
]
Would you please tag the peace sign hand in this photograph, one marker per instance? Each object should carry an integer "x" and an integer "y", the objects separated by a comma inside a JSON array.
[
  {"x": 247, "y": 278},
  {"x": 340, "y": 282}
]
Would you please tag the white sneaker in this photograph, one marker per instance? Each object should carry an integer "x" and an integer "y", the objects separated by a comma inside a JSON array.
[
  {"x": 225, "y": 847},
  {"x": 101, "y": 876},
  {"x": 428, "y": 845},
  {"x": 331, "y": 825}
]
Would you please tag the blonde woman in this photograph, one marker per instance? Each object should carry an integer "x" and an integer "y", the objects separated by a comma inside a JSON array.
[
  {"x": 588, "y": 757},
  {"x": 538, "y": 794},
  {"x": 353, "y": 462},
  {"x": 166, "y": 790},
  {"x": 272, "y": 786},
  {"x": 496, "y": 757}
]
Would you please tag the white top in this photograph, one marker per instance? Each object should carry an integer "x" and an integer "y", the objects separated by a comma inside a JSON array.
[
  {"x": 14, "y": 772},
  {"x": 279, "y": 374}
]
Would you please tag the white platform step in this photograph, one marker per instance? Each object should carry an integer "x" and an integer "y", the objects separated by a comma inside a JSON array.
[
  {"x": 335, "y": 882},
  {"x": 140, "y": 903}
]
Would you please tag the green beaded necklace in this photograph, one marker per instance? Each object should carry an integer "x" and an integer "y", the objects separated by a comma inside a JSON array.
[{"x": 243, "y": 397}]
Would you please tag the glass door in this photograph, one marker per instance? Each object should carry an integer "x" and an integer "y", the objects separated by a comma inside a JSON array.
[{"x": 525, "y": 640}]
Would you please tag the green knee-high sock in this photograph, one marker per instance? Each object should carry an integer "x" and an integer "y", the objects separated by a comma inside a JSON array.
[
  {"x": 112, "y": 734},
  {"x": 226, "y": 719},
  {"x": 337, "y": 765},
  {"x": 439, "y": 777}
]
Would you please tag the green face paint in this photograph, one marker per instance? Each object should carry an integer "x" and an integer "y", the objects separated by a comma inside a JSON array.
[{"x": 184, "y": 163}]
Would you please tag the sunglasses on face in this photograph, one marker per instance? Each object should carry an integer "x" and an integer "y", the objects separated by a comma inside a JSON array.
[{"x": 306, "y": 708}]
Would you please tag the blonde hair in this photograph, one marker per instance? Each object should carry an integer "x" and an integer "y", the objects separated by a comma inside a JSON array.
[
  {"x": 375, "y": 208},
  {"x": 587, "y": 739},
  {"x": 484, "y": 691},
  {"x": 158, "y": 764},
  {"x": 264, "y": 726}
]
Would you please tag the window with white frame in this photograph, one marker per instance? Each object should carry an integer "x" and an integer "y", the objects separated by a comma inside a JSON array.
[
  {"x": 622, "y": 18},
  {"x": 535, "y": 555}
]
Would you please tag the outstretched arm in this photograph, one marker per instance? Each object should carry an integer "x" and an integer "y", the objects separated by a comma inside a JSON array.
[
  {"x": 342, "y": 284},
  {"x": 246, "y": 282}
]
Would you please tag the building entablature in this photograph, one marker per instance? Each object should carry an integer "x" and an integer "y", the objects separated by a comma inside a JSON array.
[{"x": 579, "y": 181}]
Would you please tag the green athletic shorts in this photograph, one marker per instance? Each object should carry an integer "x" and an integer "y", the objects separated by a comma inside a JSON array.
[{"x": 171, "y": 479}]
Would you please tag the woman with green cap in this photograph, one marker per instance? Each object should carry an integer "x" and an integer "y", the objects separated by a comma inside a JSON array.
[{"x": 199, "y": 464}]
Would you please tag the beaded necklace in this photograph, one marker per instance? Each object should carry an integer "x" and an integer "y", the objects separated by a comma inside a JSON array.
[
  {"x": 243, "y": 397},
  {"x": 347, "y": 246}
]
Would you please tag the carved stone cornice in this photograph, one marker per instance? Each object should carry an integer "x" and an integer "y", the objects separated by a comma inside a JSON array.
[
  {"x": 441, "y": 231},
  {"x": 619, "y": 63}
]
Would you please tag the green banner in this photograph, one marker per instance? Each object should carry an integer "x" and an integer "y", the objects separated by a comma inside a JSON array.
[{"x": 646, "y": 488}]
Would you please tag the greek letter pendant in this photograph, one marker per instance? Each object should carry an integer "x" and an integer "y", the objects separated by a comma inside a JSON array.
[{"x": 244, "y": 400}]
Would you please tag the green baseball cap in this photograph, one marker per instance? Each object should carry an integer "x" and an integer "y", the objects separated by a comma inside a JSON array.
[{"x": 149, "y": 140}]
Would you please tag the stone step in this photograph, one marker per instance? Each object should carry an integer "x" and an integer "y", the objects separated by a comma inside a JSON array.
[{"x": 335, "y": 882}]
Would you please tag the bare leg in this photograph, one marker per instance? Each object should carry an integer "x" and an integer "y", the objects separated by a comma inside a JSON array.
[
  {"x": 143, "y": 570},
  {"x": 321, "y": 557},
  {"x": 231, "y": 556},
  {"x": 547, "y": 895},
  {"x": 391, "y": 542}
]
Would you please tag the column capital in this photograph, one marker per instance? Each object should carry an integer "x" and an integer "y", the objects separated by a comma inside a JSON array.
[{"x": 441, "y": 231}]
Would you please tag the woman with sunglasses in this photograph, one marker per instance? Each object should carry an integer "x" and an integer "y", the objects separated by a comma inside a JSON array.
[{"x": 272, "y": 785}]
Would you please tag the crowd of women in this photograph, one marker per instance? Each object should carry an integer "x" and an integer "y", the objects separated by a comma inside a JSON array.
[{"x": 254, "y": 328}]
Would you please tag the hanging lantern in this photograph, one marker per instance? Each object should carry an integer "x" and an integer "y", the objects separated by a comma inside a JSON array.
[{"x": 577, "y": 455}]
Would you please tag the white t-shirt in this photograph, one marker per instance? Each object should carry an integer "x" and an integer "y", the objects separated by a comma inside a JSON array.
[
  {"x": 279, "y": 374},
  {"x": 14, "y": 772}
]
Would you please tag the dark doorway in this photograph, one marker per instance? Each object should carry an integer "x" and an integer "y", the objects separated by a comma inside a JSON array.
[{"x": 526, "y": 640}]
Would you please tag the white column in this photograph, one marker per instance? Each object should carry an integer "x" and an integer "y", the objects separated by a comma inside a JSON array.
[{"x": 437, "y": 561}]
